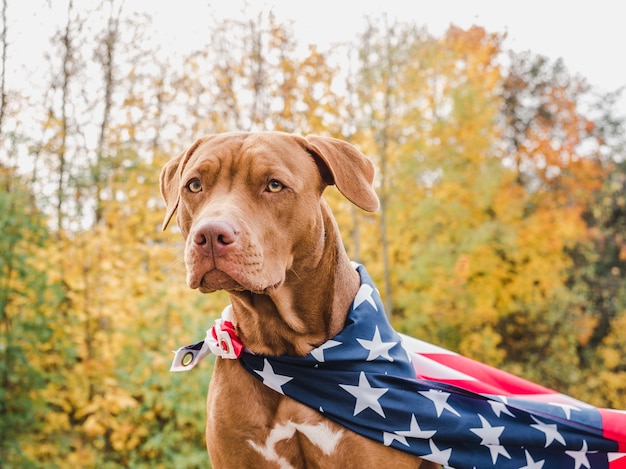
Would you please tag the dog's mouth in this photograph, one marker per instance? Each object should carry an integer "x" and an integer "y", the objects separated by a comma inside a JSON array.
[
  {"x": 235, "y": 270},
  {"x": 217, "y": 279},
  {"x": 212, "y": 281}
]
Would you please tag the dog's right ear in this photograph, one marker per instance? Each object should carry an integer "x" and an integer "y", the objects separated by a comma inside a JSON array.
[
  {"x": 170, "y": 180},
  {"x": 351, "y": 171}
]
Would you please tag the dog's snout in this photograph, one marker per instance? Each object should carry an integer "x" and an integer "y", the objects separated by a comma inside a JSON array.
[{"x": 214, "y": 236}]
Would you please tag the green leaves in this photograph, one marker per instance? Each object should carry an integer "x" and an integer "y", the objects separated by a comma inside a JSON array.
[{"x": 27, "y": 300}]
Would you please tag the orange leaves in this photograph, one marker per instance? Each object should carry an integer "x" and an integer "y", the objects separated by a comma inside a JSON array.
[{"x": 462, "y": 268}]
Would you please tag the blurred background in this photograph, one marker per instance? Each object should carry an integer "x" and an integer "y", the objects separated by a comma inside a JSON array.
[{"x": 498, "y": 136}]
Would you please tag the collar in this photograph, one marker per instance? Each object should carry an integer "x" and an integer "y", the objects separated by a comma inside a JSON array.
[{"x": 221, "y": 340}]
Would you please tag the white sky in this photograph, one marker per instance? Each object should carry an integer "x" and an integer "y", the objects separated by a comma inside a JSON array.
[{"x": 589, "y": 36}]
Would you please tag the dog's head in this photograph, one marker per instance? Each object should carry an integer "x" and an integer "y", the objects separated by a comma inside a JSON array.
[{"x": 249, "y": 204}]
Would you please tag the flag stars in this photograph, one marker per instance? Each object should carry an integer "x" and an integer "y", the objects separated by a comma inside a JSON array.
[
  {"x": 389, "y": 438},
  {"x": 376, "y": 347},
  {"x": 567, "y": 409},
  {"x": 531, "y": 463},
  {"x": 440, "y": 400},
  {"x": 364, "y": 295},
  {"x": 550, "y": 431},
  {"x": 366, "y": 396},
  {"x": 318, "y": 353},
  {"x": 615, "y": 456},
  {"x": 415, "y": 431},
  {"x": 500, "y": 407},
  {"x": 438, "y": 456},
  {"x": 580, "y": 457},
  {"x": 271, "y": 379},
  {"x": 491, "y": 438}
]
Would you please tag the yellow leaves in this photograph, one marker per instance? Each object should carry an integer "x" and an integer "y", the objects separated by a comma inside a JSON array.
[
  {"x": 118, "y": 400},
  {"x": 613, "y": 346},
  {"x": 612, "y": 357},
  {"x": 607, "y": 388},
  {"x": 127, "y": 436},
  {"x": 483, "y": 345},
  {"x": 57, "y": 422},
  {"x": 93, "y": 426},
  {"x": 113, "y": 399},
  {"x": 105, "y": 415}
]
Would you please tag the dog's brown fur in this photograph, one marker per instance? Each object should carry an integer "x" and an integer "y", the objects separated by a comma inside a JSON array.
[{"x": 251, "y": 210}]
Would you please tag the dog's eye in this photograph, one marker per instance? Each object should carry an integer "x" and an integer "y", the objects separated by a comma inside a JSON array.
[
  {"x": 194, "y": 185},
  {"x": 274, "y": 186}
]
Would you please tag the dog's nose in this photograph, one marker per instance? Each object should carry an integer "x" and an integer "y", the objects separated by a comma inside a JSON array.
[{"x": 214, "y": 236}]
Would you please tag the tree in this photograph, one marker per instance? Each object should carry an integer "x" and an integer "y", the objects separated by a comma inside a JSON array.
[
  {"x": 250, "y": 78},
  {"x": 452, "y": 181},
  {"x": 4, "y": 44},
  {"x": 29, "y": 300},
  {"x": 385, "y": 53},
  {"x": 599, "y": 267},
  {"x": 58, "y": 147},
  {"x": 561, "y": 155},
  {"x": 105, "y": 56}
]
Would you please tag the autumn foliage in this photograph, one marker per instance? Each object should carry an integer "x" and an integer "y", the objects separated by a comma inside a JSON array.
[{"x": 501, "y": 234}]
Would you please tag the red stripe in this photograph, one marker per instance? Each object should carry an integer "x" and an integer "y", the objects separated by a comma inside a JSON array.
[
  {"x": 489, "y": 380},
  {"x": 614, "y": 428},
  {"x": 618, "y": 464}
]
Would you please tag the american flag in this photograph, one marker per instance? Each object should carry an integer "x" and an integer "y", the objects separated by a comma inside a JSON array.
[{"x": 428, "y": 401}]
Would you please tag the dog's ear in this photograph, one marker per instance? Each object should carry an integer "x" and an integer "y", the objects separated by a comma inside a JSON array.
[
  {"x": 351, "y": 171},
  {"x": 170, "y": 181},
  {"x": 170, "y": 190}
]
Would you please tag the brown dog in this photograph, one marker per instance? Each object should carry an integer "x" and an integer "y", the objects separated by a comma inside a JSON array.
[{"x": 251, "y": 210}]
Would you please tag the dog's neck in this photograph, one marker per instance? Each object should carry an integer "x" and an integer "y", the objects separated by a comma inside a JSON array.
[{"x": 309, "y": 308}]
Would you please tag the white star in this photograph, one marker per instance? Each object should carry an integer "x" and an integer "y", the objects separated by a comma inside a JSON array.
[
  {"x": 415, "y": 431},
  {"x": 271, "y": 379},
  {"x": 364, "y": 294},
  {"x": 389, "y": 438},
  {"x": 318, "y": 353},
  {"x": 500, "y": 407},
  {"x": 490, "y": 435},
  {"x": 377, "y": 347},
  {"x": 366, "y": 396},
  {"x": 615, "y": 456},
  {"x": 550, "y": 431},
  {"x": 437, "y": 455},
  {"x": 491, "y": 438},
  {"x": 440, "y": 399},
  {"x": 532, "y": 464},
  {"x": 580, "y": 457},
  {"x": 567, "y": 408}
]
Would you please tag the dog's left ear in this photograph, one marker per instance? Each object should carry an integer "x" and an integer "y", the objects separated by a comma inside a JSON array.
[
  {"x": 352, "y": 172},
  {"x": 170, "y": 180},
  {"x": 169, "y": 185}
]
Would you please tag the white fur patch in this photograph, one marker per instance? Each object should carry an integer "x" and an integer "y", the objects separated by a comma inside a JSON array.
[{"x": 320, "y": 435}]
